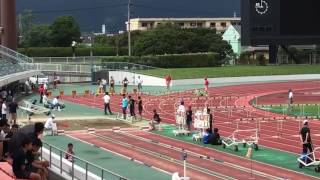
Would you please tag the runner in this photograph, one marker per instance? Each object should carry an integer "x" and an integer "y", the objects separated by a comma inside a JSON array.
[
  {"x": 140, "y": 106},
  {"x": 111, "y": 89},
  {"x": 131, "y": 107},
  {"x": 125, "y": 83},
  {"x": 124, "y": 106},
  {"x": 189, "y": 118},
  {"x": 168, "y": 81}
]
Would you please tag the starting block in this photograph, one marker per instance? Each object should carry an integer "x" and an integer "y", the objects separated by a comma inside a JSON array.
[{"x": 91, "y": 130}]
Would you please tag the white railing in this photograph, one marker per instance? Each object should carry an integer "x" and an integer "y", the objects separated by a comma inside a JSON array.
[
  {"x": 78, "y": 168},
  {"x": 19, "y": 58},
  {"x": 67, "y": 68}
]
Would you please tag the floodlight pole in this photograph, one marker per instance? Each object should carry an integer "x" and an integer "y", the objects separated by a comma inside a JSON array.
[{"x": 129, "y": 28}]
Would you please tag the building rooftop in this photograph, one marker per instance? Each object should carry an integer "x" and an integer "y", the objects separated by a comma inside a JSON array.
[{"x": 188, "y": 19}]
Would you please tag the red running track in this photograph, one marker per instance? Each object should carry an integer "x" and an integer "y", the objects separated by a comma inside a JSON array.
[
  {"x": 132, "y": 150},
  {"x": 239, "y": 97}
]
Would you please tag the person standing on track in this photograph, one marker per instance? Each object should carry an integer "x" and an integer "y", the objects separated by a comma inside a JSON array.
[
  {"x": 206, "y": 84},
  {"x": 305, "y": 138},
  {"x": 132, "y": 107},
  {"x": 140, "y": 106},
  {"x": 210, "y": 120},
  {"x": 106, "y": 99},
  {"x": 125, "y": 83},
  {"x": 290, "y": 97},
  {"x": 168, "y": 81},
  {"x": 139, "y": 81},
  {"x": 111, "y": 90},
  {"x": 124, "y": 106},
  {"x": 189, "y": 118}
]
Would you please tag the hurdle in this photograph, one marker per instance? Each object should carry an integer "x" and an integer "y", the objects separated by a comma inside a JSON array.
[{"x": 91, "y": 130}]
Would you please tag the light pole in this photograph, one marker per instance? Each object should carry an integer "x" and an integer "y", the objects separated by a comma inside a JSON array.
[{"x": 129, "y": 28}]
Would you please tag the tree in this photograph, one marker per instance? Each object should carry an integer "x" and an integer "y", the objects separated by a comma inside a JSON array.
[
  {"x": 25, "y": 23},
  {"x": 171, "y": 39},
  {"x": 64, "y": 30},
  {"x": 38, "y": 36}
]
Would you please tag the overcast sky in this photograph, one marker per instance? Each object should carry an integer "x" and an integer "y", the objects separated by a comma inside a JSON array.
[{"x": 92, "y": 13}]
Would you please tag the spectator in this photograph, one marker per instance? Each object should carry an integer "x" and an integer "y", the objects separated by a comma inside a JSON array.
[
  {"x": 132, "y": 107},
  {"x": 124, "y": 106},
  {"x": 10, "y": 134},
  {"x": 46, "y": 102},
  {"x": 13, "y": 106},
  {"x": 156, "y": 120},
  {"x": 50, "y": 125},
  {"x": 34, "y": 164},
  {"x": 32, "y": 131},
  {"x": 70, "y": 153},
  {"x": 4, "y": 111},
  {"x": 57, "y": 104},
  {"x": 215, "y": 138},
  {"x": 140, "y": 106},
  {"x": 20, "y": 162},
  {"x": 189, "y": 118},
  {"x": 55, "y": 80},
  {"x": 106, "y": 99}
]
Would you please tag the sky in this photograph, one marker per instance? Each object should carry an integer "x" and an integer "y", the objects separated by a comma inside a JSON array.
[{"x": 91, "y": 14}]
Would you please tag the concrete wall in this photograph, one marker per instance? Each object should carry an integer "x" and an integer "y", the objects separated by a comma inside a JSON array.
[
  {"x": 248, "y": 79},
  {"x": 118, "y": 76}
]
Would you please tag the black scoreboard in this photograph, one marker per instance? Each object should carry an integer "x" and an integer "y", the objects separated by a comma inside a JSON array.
[{"x": 284, "y": 22}]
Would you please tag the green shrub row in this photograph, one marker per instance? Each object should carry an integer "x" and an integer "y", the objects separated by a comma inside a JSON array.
[
  {"x": 171, "y": 61},
  {"x": 67, "y": 51}
]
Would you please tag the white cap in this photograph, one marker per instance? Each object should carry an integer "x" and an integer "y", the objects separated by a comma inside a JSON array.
[
  {"x": 53, "y": 116},
  {"x": 305, "y": 122}
]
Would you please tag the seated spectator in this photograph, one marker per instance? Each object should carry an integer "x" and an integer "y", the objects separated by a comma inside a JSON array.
[
  {"x": 13, "y": 131},
  {"x": 156, "y": 120},
  {"x": 69, "y": 153},
  {"x": 215, "y": 137},
  {"x": 206, "y": 136},
  {"x": 20, "y": 162},
  {"x": 46, "y": 102},
  {"x": 33, "y": 131},
  {"x": 57, "y": 104},
  {"x": 50, "y": 125},
  {"x": 34, "y": 164}
]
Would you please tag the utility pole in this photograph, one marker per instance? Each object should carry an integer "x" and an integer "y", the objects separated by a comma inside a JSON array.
[{"x": 129, "y": 28}]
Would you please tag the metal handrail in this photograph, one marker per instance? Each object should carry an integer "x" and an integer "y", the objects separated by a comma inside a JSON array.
[
  {"x": 103, "y": 171},
  {"x": 15, "y": 55}
]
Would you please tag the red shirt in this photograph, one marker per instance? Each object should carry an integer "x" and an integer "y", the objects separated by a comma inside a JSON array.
[
  {"x": 41, "y": 89},
  {"x": 168, "y": 78},
  {"x": 206, "y": 82}
]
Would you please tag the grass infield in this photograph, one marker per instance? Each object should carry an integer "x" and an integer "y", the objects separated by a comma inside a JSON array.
[{"x": 234, "y": 71}]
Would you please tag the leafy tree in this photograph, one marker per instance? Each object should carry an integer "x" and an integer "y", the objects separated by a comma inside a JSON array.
[
  {"x": 171, "y": 39},
  {"x": 38, "y": 36},
  {"x": 64, "y": 30},
  {"x": 25, "y": 22}
]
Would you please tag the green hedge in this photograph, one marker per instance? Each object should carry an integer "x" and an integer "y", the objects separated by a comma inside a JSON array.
[
  {"x": 67, "y": 51},
  {"x": 171, "y": 61}
]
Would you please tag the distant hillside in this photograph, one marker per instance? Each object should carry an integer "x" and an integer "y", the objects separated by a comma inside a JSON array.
[{"x": 92, "y": 13}]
